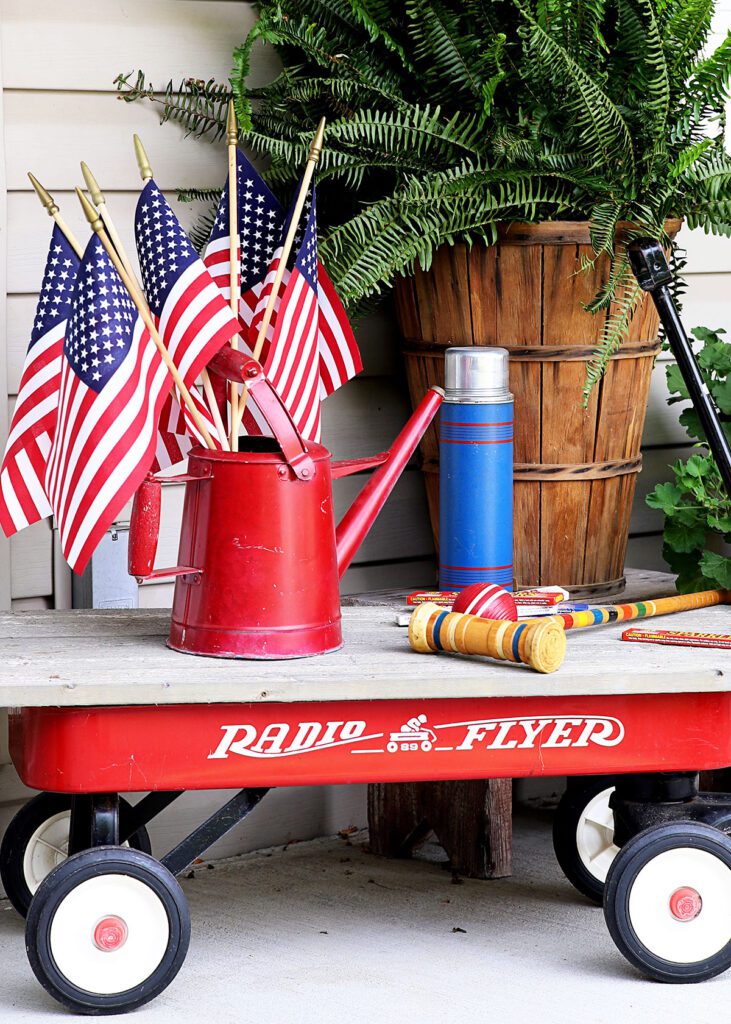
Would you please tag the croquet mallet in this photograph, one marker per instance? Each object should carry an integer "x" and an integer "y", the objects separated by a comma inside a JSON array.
[{"x": 433, "y": 629}]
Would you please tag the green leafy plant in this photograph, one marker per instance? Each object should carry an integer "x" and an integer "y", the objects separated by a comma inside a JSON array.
[
  {"x": 447, "y": 117},
  {"x": 696, "y": 507}
]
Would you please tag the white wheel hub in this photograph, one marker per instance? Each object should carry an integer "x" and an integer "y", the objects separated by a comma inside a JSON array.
[
  {"x": 680, "y": 905},
  {"x": 109, "y": 934},
  {"x": 595, "y": 835},
  {"x": 47, "y": 848}
]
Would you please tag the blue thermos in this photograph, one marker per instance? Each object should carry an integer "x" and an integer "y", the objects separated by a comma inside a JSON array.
[{"x": 476, "y": 470}]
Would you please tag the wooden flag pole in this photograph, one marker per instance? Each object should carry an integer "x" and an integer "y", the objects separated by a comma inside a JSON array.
[
  {"x": 99, "y": 200},
  {"x": 146, "y": 174},
  {"x": 314, "y": 156},
  {"x": 97, "y": 226},
  {"x": 232, "y": 138},
  {"x": 48, "y": 202}
]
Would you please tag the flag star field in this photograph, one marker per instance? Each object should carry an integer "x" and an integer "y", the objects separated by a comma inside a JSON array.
[{"x": 102, "y": 321}]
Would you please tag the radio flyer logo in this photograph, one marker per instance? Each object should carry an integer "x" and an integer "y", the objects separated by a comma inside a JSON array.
[{"x": 280, "y": 739}]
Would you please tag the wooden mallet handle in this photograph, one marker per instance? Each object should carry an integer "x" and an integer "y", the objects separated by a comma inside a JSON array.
[{"x": 539, "y": 643}]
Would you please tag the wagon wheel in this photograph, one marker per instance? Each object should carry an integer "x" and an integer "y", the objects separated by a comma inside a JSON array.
[
  {"x": 107, "y": 931},
  {"x": 667, "y": 902},
  {"x": 37, "y": 840},
  {"x": 583, "y": 834}
]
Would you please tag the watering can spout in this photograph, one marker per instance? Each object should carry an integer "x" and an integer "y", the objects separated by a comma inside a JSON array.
[{"x": 357, "y": 521}]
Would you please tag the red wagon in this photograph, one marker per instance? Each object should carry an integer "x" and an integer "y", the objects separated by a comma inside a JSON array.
[{"x": 101, "y": 707}]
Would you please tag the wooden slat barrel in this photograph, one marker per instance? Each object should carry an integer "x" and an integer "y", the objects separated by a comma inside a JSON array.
[{"x": 575, "y": 468}]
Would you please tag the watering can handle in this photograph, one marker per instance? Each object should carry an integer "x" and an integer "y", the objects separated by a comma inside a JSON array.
[
  {"x": 144, "y": 530},
  {"x": 238, "y": 366}
]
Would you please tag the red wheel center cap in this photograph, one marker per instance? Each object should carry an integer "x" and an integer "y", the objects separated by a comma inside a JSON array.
[
  {"x": 685, "y": 903},
  {"x": 110, "y": 934}
]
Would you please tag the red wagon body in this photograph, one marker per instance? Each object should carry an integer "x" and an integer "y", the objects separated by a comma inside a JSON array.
[
  {"x": 139, "y": 748},
  {"x": 100, "y": 707}
]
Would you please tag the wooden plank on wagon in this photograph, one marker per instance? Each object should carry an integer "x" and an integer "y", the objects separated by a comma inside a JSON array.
[{"x": 85, "y": 658}]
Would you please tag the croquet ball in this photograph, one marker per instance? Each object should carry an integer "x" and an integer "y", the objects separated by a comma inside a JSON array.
[{"x": 487, "y": 600}]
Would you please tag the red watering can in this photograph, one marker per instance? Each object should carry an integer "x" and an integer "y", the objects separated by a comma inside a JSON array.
[{"x": 260, "y": 555}]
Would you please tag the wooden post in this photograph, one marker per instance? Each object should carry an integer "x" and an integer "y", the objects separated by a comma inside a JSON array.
[{"x": 472, "y": 820}]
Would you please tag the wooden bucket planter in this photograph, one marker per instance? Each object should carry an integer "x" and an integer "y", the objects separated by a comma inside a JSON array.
[{"x": 575, "y": 468}]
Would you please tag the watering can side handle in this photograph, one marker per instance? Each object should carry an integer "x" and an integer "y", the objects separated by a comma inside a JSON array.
[
  {"x": 144, "y": 531},
  {"x": 144, "y": 528}
]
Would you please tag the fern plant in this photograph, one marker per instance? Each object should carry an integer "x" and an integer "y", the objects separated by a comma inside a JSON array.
[{"x": 447, "y": 117}]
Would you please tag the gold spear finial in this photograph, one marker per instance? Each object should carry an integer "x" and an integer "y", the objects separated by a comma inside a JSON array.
[
  {"x": 45, "y": 197},
  {"x": 232, "y": 128},
  {"x": 97, "y": 224},
  {"x": 97, "y": 196},
  {"x": 142, "y": 162},
  {"x": 316, "y": 147}
]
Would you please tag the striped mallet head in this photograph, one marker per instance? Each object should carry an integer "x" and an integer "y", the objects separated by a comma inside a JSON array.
[
  {"x": 487, "y": 600},
  {"x": 539, "y": 643}
]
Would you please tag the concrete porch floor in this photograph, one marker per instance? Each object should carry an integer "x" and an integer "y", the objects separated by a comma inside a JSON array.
[{"x": 323, "y": 932}]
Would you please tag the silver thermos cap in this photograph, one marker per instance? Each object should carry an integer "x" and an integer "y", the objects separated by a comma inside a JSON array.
[{"x": 476, "y": 375}]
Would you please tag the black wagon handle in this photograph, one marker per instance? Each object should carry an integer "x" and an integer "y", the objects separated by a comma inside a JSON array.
[{"x": 653, "y": 274}]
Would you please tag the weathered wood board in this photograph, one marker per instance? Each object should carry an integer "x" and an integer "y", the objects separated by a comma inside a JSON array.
[{"x": 119, "y": 657}]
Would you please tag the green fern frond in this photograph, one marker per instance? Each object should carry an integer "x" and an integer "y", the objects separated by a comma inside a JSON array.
[
  {"x": 200, "y": 107},
  {"x": 603, "y": 227},
  {"x": 602, "y": 129},
  {"x": 200, "y": 233},
  {"x": 615, "y": 329},
  {"x": 687, "y": 25},
  {"x": 447, "y": 116},
  {"x": 420, "y": 130},
  {"x": 378, "y": 20},
  {"x": 444, "y": 49},
  {"x": 199, "y": 195},
  {"x": 398, "y": 233}
]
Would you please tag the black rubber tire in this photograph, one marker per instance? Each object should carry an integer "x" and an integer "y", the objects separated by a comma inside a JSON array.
[
  {"x": 62, "y": 881},
  {"x": 637, "y": 853},
  {"x": 566, "y": 820},
  {"x": 22, "y": 827}
]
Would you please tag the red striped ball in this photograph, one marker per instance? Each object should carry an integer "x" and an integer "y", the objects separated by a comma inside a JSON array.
[{"x": 487, "y": 600}]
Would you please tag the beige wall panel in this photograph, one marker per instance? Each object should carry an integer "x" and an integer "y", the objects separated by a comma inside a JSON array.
[
  {"x": 707, "y": 254},
  {"x": 48, "y": 133},
  {"x": 646, "y": 553},
  {"x": 706, "y": 301},
  {"x": 84, "y": 45},
  {"x": 364, "y": 417},
  {"x": 421, "y": 574},
  {"x": 655, "y": 470},
  {"x": 31, "y": 561},
  {"x": 29, "y": 230},
  {"x": 32, "y": 604},
  {"x": 661, "y": 425}
]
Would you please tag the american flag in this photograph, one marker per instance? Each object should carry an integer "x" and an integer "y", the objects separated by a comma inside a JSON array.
[
  {"x": 113, "y": 386},
  {"x": 262, "y": 226},
  {"x": 22, "y": 489},
  {"x": 292, "y": 362},
  {"x": 178, "y": 433},
  {"x": 192, "y": 316}
]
